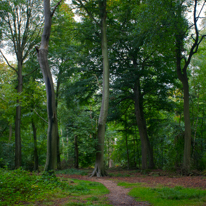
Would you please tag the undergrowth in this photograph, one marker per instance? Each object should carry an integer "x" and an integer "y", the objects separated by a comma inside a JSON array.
[
  {"x": 72, "y": 171},
  {"x": 19, "y": 187}
]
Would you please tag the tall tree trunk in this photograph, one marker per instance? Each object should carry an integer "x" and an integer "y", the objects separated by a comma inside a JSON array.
[
  {"x": 58, "y": 139},
  {"x": 76, "y": 165},
  {"x": 182, "y": 75},
  {"x": 10, "y": 132},
  {"x": 36, "y": 162},
  {"x": 126, "y": 139},
  {"x": 18, "y": 119},
  {"x": 147, "y": 153},
  {"x": 52, "y": 132},
  {"x": 99, "y": 169}
]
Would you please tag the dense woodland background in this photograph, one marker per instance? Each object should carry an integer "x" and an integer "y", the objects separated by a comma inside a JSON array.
[{"x": 156, "y": 51}]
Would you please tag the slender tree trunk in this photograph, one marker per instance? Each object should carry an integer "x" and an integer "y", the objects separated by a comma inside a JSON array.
[
  {"x": 36, "y": 162},
  {"x": 10, "y": 132},
  {"x": 147, "y": 153},
  {"x": 18, "y": 120},
  {"x": 128, "y": 162},
  {"x": 52, "y": 132},
  {"x": 182, "y": 75},
  {"x": 126, "y": 138},
  {"x": 187, "y": 142},
  {"x": 58, "y": 139},
  {"x": 99, "y": 169},
  {"x": 76, "y": 152}
]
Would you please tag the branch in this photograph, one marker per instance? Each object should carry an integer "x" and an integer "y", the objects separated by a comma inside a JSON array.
[
  {"x": 97, "y": 81},
  {"x": 30, "y": 73},
  {"x": 8, "y": 62},
  {"x": 52, "y": 13},
  {"x": 89, "y": 13},
  {"x": 40, "y": 116}
]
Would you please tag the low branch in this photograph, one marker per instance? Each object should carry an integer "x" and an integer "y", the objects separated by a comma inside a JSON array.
[
  {"x": 30, "y": 73},
  {"x": 52, "y": 13},
  {"x": 98, "y": 81},
  {"x": 8, "y": 62},
  {"x": 40, "y": 116},
  {"x": 89, "y": 13}
]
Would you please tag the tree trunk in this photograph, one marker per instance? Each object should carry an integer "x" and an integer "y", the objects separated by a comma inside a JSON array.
[
  {"x": 10, "y": 132},
  {"x": 187, "y": 142},
  {"x": 182, "y": 75},
  {"x": 18, "y": 120},
  {"x": 58, "y": 139},
  {"x": 99, "y": 169},
  {"x": 52, "y": 132},
  {"x": 36, "y": 163},
  {"x": 147, "y": 153},
  {"x": 126, "y": 139},
  {"x": 76, "y": 165}
]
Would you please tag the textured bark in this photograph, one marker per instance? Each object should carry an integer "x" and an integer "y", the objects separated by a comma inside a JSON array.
[
  {"x": 99, "y": 169},
  {"x": 18, "y": 116},
  {"x": 147, "y": 153},
  {"x": 36, "y": 162}
]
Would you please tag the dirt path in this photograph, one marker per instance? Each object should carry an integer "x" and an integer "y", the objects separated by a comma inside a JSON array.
[{"x": 118, "y": 195}]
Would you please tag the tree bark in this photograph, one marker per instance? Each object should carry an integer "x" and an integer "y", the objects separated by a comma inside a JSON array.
[
  {"x": 58, "y": 139},
  {"x": 52, "y": 132},
  {"x": 147, "y": 153},
  {"x": 182, "y": 75},
  {"x": 18, "y": 116},
  {"x": 36, "y": 162},
  {"x": 99, "y": 169}
]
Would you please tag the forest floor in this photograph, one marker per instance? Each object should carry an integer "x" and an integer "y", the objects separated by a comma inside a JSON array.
[{"x": 118, "y": 195}]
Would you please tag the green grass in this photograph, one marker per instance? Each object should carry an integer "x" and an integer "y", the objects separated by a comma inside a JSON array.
[
  {"x": 20, "y": 187},
  {"x": 72, "y": 171},
  {"x": 164, "y": 196}
]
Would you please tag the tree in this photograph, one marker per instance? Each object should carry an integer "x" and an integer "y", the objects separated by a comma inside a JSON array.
[
  {"x": 99, "y": 169},
  {"x": 21, "y": 24},
  {"x": 42, "y": 52}
]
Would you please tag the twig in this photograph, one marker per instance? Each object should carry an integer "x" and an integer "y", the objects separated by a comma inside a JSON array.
[{"x": 8, "y": 62}]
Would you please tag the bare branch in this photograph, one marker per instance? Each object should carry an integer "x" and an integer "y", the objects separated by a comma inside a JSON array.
[
  {"x": 52, "y": 13},
  {"x": 88, "y": 12},
  {"x": 8, "y": 62}
]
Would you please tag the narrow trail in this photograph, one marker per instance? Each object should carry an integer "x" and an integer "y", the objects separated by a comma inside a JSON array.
[{"x": 118, "y": 195}]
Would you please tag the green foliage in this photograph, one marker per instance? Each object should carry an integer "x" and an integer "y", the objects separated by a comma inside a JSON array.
[
  {"x": 160, "y": 196},
  {"x": 20, "y": 186}
]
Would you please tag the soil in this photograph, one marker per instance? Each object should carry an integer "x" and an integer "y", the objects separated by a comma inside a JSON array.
[{"x": 118, "y": 195}]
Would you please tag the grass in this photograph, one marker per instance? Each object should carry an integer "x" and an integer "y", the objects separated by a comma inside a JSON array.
[
  {"x": 72, "y": 171},
  {"x": 161, "y": 196},
  {"x": 19, "y": 187}
]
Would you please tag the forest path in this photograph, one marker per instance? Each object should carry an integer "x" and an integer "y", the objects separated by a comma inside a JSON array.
[{"x": 118, "y": 195}]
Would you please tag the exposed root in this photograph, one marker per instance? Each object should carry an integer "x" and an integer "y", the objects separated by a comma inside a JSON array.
[{"x": 98, "y": 172}]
